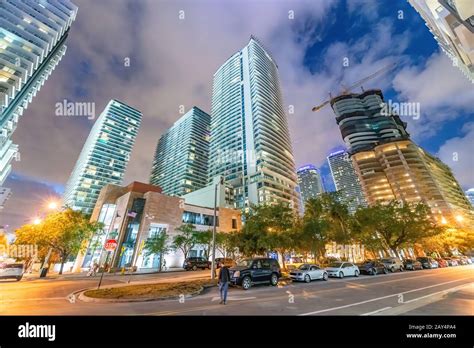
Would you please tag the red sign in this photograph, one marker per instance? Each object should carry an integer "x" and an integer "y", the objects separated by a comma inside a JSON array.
[{"x": 110, "y": 245}]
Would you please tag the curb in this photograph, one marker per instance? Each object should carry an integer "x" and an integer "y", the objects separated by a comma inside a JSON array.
[{"x": 85, "y": 298}]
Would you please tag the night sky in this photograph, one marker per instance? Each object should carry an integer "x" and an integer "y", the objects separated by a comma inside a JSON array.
[{"x": 172, "y": 62}]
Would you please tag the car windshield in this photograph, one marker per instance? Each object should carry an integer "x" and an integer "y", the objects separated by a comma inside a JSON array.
[
  {"x": 386, "y": 260},
  {"x": 245, "y": 262},
  {"x": 304, "y": 267},
  {"x": 335, "y": 264}
]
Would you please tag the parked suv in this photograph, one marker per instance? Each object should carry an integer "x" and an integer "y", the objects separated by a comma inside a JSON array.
[
  {"x": 255, "y": 271},
  {"x": 196, "y": 262},
  {"x": 393, "y": 264},
  {"x": 428, "y": 262}
]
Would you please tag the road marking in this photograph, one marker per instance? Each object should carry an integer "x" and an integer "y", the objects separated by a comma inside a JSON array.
[
  {"x": 447, "y": 291},
  {"x": 234, "y": 298},
  {"x": 379, "y": 298},
  {"x": 377, "y": 311}
]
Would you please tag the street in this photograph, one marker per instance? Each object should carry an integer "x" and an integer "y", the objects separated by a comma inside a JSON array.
[{"x": 444, "y": 291}]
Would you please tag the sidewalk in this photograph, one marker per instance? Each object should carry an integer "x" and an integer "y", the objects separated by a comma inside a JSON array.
[{"x": 83, "y": 275}]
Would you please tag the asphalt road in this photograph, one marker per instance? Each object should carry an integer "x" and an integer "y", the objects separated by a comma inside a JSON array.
[{"x": 446, "y": 291}]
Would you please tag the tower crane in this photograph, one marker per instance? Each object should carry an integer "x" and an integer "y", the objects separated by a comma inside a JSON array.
[{"x": 357, "y": 84}]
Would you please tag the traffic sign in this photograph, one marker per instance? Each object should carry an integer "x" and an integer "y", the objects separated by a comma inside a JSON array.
[{"x": 110, "y": 245}]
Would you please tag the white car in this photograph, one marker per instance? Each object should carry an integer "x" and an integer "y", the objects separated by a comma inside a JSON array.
[
  {"x": 342, "y": 269},
  {"x": 308, "y": 272},
  {"x": 11, "y": 270}
]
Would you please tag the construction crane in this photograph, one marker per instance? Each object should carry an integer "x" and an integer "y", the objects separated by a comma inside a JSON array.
[{"x": 356, "y": 84}]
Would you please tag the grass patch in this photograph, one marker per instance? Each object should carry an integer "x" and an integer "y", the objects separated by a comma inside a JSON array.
[{"x": 158, "y": 290}]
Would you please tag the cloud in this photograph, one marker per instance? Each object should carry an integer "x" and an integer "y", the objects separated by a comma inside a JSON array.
[
  {"x": 442, "y": 90},
  {"x": 29, "y": 199},
  {"x": 457, "y": 154}
]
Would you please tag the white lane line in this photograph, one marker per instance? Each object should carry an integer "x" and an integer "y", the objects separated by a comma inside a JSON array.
[
  {"x": 234, "y": 298},
  {"x": 377, "y": 311},
  {"x": 447, "y": 291},
  {"x": 380, "y": 298}
]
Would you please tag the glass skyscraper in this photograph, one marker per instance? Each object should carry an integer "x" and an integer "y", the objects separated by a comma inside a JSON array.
[
  {"x": 104, "y": 157},
  {"x": 345, "y": 180},
  {"x": 180, "y": 163},
  {"x": 250, "y": 142},
  {"x": 32, "y": 37},
  {"x": 309, "y": 182}
]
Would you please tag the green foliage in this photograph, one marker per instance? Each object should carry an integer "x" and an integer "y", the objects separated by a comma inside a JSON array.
[
  {"x": 394, "y": 225},
  {"x": 65, "y": 232},
  {"x": 186, "y": 239},
  {"x": 158, "y": 244}
]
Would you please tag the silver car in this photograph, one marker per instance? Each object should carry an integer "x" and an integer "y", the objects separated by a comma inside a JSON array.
[
  {"x": 342, "y": 269},
  {"x": 308, "y": 272},
  {"x": 11, "y": 270}
]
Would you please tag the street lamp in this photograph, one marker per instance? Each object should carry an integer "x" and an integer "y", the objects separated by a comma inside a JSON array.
[
  {"x": 36, "y": 221},
  {"x": 213, "y": 264},
  {"x": 459, "y": 218}
]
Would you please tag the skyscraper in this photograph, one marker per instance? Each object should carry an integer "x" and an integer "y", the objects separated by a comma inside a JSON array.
[
  {"x": 104, "y": 157},
  {"x": 452, "y": 24},
  {"x": 32, "y": 37},
  {"x": 309, "y": 182},
  {"x": 345, "y": 180},
  {"x": 389, "y": 165},
  {"x": 250, "y": 142},
  {"x": 180, "y": 163}
]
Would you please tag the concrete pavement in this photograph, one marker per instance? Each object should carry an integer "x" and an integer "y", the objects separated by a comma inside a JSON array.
[{"x": 444, "y": 291}]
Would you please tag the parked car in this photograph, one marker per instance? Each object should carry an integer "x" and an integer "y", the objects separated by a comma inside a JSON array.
[
  {"x": 227, "y": 262},
  {"x": 460, "y": 260},
  {"x": 428, "y": 262},
  {"x": 413, "y": 265},
  {"x": 451, "y": 262},
  {"x": 342, "y": 269},
  {"x": 196, "y": 262},
  {"x": 468, "y": 259},
  {"x": 442, "y": 263},
  {"x": 308, "y": 272},
  {"x": 11, "y": 270},
  {"x": 255, "y": 271},
  {"x": 393, "y": 264},
  {"x": 372, "y": 267}
]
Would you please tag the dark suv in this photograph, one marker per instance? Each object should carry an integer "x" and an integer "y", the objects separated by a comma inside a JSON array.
[
  {"x": 196, "y": 262},
  {"x": 255, "y": 271}
]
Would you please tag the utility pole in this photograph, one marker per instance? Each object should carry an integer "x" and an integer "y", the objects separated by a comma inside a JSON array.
[{"x": 213, "y": 264}]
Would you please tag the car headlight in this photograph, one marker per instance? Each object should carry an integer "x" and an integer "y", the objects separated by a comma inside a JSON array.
[{"x": 236, "y": 274}]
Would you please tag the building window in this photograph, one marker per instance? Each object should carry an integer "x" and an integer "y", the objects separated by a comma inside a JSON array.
[{"x": 234, "y": 223}]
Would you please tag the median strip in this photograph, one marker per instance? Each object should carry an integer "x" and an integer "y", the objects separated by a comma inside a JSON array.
[{"x": 147, "y": 292}]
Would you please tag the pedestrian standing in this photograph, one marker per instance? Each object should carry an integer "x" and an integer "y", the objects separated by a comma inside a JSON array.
[{"x": 223, "y": 282}]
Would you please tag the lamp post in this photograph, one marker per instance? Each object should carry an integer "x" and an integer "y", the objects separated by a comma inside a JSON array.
[{"x": 213, "y": 264}]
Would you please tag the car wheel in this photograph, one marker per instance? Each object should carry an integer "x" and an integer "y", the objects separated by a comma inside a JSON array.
[
  {"x": 392, "y": 269},
  {"x": 246, "y": 283},
  {"x": 307, "y": 278},
  {"x": 373, "y": 271},
  {"x": 274, "y": 279},
  {"x": 341, "y": 275},
  {"x": 356, "y": 273},
  {"x": 401, "y": 269},
  {"x": 385, "y": 271},
  {"x": 325, "y": 276},
  {"x": 18, "y": 279},
  {"x": 195, "y": 268}
]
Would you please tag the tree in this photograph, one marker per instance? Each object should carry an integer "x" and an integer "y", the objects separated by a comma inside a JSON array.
[
  {"x": 204, "y": 238},
  {"x": 395, "y": 224},
  {"x": 336, "y": 216},
  {"x": 314, "y": 229},
  {"x": 64, "y": 232},
  {"x": 186, "y": 240},
  {"x": 158, "y": 244}
]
